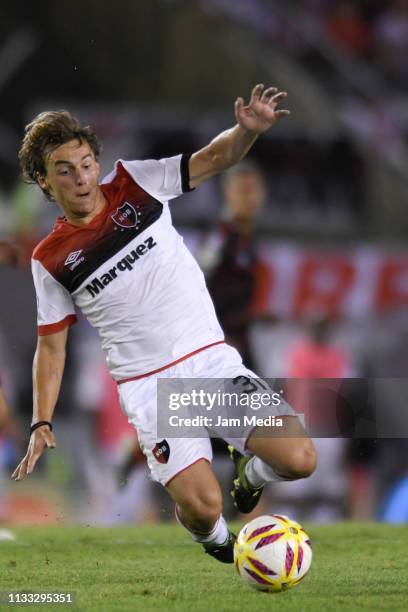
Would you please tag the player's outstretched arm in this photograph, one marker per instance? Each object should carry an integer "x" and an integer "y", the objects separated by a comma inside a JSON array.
[
  {"x": 48, "y": 368},
  {"x": 229, "y": 147}
]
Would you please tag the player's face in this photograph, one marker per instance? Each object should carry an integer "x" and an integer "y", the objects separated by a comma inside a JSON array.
[
  {"x": 72, "y": 174},
  {"x": 244, "y": 194}
]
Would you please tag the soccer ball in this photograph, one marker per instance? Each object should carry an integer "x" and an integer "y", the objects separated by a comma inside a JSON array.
[{"x": 272, "y": 553}]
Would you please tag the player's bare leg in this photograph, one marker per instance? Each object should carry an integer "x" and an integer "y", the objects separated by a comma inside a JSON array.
[
  {"x": 199, "y": 509},
  {"x": 284, "y": 453},
  {"x": 288, "y": 450}
]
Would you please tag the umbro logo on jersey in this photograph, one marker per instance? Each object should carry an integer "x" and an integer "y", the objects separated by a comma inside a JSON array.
[
  {"x": 126, "y": 216},
  {"x": 72, "y": 257},
  {"x": 73, "y": 260},
  {"x": 162, "y": 451},
  {"x": 126, "y": 263}
]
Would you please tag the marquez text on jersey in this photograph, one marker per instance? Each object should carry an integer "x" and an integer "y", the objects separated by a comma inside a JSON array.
[{"x": 130, "y": 273}]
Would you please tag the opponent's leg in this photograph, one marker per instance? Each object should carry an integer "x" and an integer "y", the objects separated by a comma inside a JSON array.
[
  {"x": 199, "y": 509},
  {"x": 284, "y": 454}
]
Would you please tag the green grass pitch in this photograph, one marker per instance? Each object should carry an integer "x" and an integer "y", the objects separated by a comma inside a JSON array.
[{"x": 151, "y": 568}]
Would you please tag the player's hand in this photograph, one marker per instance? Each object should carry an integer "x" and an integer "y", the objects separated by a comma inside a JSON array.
[
  {"x": 40, "y": 439},
  {"x": 261, "y": 112}
]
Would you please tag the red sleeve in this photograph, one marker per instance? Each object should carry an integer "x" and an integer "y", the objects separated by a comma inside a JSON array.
[{"x": 53, "y": 328}]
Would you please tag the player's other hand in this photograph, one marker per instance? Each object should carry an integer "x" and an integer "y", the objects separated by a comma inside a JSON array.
[
  {"x": 262, "y": 111},
  {"x": 40, "y": 439}
]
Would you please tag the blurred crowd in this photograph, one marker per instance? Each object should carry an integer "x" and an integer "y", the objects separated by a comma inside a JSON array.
[{"x": 373, "y": 30}]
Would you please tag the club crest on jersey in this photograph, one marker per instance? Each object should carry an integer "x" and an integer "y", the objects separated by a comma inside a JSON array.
[
  {"x": 162, "y": 451},
  {"x": 126, "y": 216}
]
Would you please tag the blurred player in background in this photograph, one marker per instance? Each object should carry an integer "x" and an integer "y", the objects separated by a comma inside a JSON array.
[
  {"x": 116, "y": 255},
  {"x": 238, "y": 280}
]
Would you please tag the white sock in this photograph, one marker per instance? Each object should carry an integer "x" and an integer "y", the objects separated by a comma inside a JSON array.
[
  {"x": 217, "y": 535},
  {"x": 259, "y": 473}
]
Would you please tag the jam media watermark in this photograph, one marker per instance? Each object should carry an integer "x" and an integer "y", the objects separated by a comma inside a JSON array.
[
  {"x": 199, "y": 420},
  {"x": 217, "y": 407}
]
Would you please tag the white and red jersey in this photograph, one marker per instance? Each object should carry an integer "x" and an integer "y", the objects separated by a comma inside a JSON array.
[{"x": 130, "y": 273}]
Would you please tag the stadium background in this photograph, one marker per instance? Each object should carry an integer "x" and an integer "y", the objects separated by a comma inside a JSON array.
[{"x": 156, "y": 78}]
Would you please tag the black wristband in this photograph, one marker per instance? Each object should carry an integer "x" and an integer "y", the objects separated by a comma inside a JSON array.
[{"x": 40, "y": 424}]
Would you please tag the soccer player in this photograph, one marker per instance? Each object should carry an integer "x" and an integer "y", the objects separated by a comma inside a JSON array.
[{"x": 116, "y": 256}]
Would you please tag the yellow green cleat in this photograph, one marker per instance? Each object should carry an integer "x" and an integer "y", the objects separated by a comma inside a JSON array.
[{"x": 244, "y": 495}]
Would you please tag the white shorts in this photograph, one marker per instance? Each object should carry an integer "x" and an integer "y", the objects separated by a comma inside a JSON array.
[{"x": 170, "y": 456}]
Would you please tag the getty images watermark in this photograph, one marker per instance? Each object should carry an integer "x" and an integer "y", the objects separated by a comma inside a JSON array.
[
  {"x": 225, "y": 408},
  {"x": 213, "y": 401}
]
